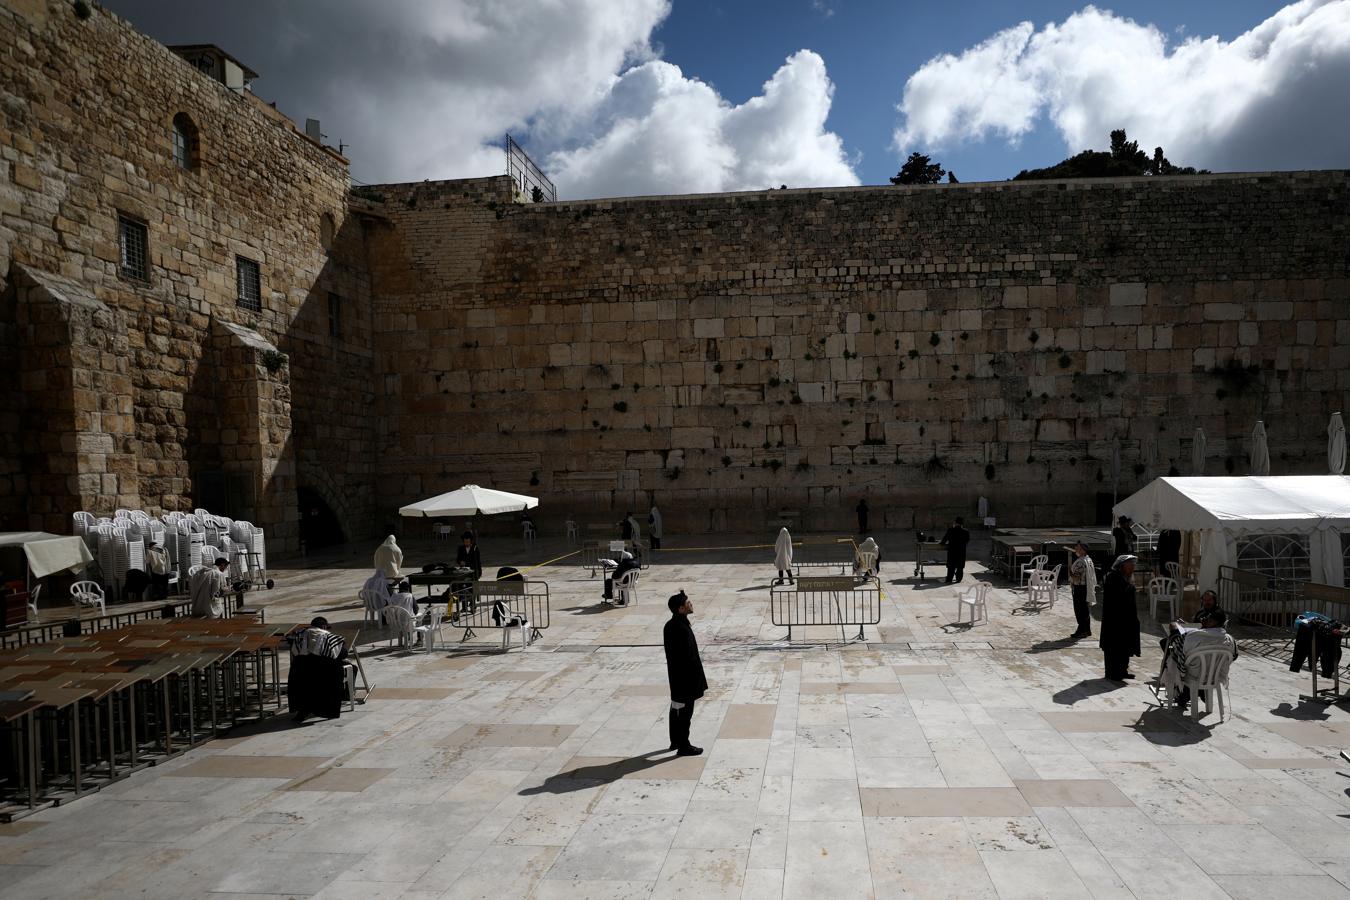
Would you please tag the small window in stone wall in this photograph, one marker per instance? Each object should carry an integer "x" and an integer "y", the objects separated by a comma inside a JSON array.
[
  {"x": 185, "y": 142},
  {"x": 334, "y": 315},
  {"x": 249, "y": 281},
  {"x": 134, "y": 242}
]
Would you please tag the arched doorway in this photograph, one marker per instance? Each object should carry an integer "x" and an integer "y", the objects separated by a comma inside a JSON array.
[{"x": 319, "y": 527}]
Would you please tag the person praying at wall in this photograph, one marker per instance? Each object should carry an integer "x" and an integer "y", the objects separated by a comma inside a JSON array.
[
  {"x": 315, "y": 685},
  {"x": 955, "y": 540},
  {"x": 862, "y": 516},
  {"x": 389, "y": 558},
  {"x": 654, "y": 526},
  {"x": 782, "y": 556}
]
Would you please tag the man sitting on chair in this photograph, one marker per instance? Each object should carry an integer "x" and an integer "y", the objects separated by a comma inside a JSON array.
[
  {"x": 1182, "y": 641},
  {"x": 626, "y": 564},
  {"x": 316, "y": 685}
]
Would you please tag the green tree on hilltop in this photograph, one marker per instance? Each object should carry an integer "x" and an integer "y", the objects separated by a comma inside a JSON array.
[{"x": 1122, "y": 160}]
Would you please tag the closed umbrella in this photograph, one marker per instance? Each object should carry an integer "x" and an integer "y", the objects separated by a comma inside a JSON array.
[
  {"x": 468, "y": 501},
  {"x": 1260, "y": 450},
  {"x": 1336, "y": 445},
  {"x": 1198, "y": 452}
]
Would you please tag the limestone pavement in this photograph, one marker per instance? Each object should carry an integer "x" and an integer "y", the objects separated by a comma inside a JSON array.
[{"x": 925, "y": 761}]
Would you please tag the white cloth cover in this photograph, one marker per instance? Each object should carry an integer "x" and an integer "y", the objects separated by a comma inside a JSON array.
[
  {"x": 389, "y": 558},
  {"x": 654, "y": 522},
  {"x": 1260, "y": 450},
  {"x": 1198, "y": 452},
  {"x": 1217, "y": 548},
  {"x": 637, "y": 532},
  {"x": 469, "y": 500},
  {"x": 1336, "y": 445},
  {"x": 982, "y": 508},
  {"x": 48, "y": 553},
  {"x": 1326, "y": 558},
  {"x": 379, "y": 584},
  {"x": 782, "y": 551}
]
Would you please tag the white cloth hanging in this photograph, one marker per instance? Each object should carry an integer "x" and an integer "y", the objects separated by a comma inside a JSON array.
[
  {"x": 1260, "y": 450},
  {"x": 1336, "y": 445}
]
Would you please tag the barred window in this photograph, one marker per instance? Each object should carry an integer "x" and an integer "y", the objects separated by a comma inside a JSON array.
[
  {"x": 249, "y": 279},
  {"x": 134, "y": 242},
  {"x": 334, "y": 315}
]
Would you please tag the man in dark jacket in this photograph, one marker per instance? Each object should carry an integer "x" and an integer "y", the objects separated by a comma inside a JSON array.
[
  {"x": 468, "y": 557},
  {"x": 684, "y": 668},
  {"x": 955, "y": 541},
  {"x": 1120, "y": 620}
]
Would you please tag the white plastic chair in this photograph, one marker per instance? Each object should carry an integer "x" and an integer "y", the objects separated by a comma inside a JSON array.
[
  {"x": 625, "y": 587},
  {"x": 573, "y": 533},
  {"x": 527, "y": 531},
  {"x": 1037, "y": 564},
  {"x": 1162, "y": 590},
  {"x": 368, "y": 598},
  {"x": 1207, "y": 670},
  {"x": 1173, "y": 571},
  {"x": 865, "y": 563},
  {"x": 974, "y": 596},
  {"x": 444, "y": 532},
  {"x": 510, "y": 614},
  {"x": 32, "y": 603},
  {"x": 402, "y": 626},
  {"x": 89, "y": 593},
  {"x": 1043, "y": 588},
  {"x": 432, "y": 627}
]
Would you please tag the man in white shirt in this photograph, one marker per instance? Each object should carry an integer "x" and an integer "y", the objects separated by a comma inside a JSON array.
[{"x": 208, "y": 590}]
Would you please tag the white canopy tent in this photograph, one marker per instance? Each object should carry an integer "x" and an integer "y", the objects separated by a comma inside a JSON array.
[
  {"x": 1224, "y": 508},
  {"x": 467, "y": 501},
  {"x": 48, "y": 553}
]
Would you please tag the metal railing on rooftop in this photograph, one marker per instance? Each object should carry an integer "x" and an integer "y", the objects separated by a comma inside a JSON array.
[{"x": 528, "y": 177}]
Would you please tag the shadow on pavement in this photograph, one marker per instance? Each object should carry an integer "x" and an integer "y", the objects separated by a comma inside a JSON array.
[{"x": 583, "y": 777}]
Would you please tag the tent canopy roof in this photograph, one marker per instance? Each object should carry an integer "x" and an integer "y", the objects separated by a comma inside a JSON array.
[{"x": 1244, "y": 504}]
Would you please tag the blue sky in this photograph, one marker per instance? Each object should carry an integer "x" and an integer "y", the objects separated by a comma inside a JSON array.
[
  {"x": 871, "y": 47},
  {"x": 628, "y": 97}
]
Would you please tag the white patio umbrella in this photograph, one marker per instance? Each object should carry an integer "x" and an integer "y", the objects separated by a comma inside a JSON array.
[
  {"x": 1198, "y": 452},
  {"x": 1260, "y": 450},
  {"x": 467, "y": 501},
  {"x": 1336, "y": 445}
]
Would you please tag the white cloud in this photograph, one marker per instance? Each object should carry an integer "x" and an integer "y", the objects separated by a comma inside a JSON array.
[
  {"x": 660, "y": 132},
  {"x": 1274, "y": 97},
  {"x": 422, "y": 90}
]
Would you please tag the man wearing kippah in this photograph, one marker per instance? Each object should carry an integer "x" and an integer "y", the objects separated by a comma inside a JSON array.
[{"x": 684, "y": 668}]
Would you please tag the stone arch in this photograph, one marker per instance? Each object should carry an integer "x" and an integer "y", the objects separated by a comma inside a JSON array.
[{"x": 316, "y": 482}]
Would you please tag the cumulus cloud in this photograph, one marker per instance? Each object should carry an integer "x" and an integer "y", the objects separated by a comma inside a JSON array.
[
  {"x": 426, "y": 90},
  {"x": 1271, "y": 98},
  {"x": 662, "y": 132}
]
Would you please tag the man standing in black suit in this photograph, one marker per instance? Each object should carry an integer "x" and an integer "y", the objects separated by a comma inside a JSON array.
[
  {"x": 684, "y": 668},
  {"x": 955, "y": 541}
]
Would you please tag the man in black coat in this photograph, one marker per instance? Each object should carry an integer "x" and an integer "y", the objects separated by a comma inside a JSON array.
[
  {"x": 862, "y": 516},
  {"x": 684, "y": 668},
  {"x": 1120, "y": 620},
  {"x": 955, "y": 541}
]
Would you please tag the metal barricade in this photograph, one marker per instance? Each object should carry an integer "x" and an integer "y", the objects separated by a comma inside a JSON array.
[
  {"x": 1255, "y": 598},
  {"x": 821, "y": 558},
  {"x": 837, "y": 600},
  {"x": 508, "y": 599}
]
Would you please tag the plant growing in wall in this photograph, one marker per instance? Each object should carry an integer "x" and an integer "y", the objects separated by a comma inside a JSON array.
[
  {"x": 935, "y": 466},
  {"x": 273, "y": 360}
]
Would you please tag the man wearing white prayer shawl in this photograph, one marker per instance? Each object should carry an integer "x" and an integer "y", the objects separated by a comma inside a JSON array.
[
  {"x": 389, "y": 558},
  {"x": 867, "y": 549},
  {"x": 207, "y": 590},
  {"x": 654, "y": 526},
  {"x": 378, "y": 584},
  {"x": 782, "y": 556}
]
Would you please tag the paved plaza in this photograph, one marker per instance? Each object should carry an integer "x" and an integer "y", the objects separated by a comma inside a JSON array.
[{"x": 928, "y": 760}]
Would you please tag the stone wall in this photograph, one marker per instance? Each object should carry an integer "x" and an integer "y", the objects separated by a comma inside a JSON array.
[
  {"x": 86, "y": 106},
  {"x": 733, "y": 355}
]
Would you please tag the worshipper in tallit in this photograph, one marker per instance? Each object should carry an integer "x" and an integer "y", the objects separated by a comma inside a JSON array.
[
  {"x": 868, "y": 546},
  {"x": 636, "y": 532},
  {"x": 782, "y": 556},
  {"x": 654, "y": 526},
  {"x": 1119, "y": 629},
  {"x": 208, "y": 589},
  {"x": 627, "y": 563},
  {"x": 315, "y": 685},
  {"x": 389, "y": 558},
  {"x": 378, "y": 585}
]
